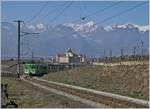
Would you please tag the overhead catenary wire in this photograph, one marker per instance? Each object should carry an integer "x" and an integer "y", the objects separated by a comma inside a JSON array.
[
  {"x": 120, "y": 13},
  {"x": 84, "y": 7},
  {"x": 61, "y": 12},
  {"x": 52, "y": 11},
  {"x": 104, "y": 9},
  {"x": 38, "y": 13},
  {"x": 97, "y": 12}
]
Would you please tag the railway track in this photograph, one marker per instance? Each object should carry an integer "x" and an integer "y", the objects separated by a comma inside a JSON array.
[{"x": 88, "y": 95}]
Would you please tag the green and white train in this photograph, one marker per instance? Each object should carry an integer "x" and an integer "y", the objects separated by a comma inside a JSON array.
[
  {"x": 39, "y": 69},
  {"x": 35, "y": 69}
]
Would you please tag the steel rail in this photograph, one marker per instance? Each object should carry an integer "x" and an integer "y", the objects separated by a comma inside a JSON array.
[{"x": 105, "y": 99}]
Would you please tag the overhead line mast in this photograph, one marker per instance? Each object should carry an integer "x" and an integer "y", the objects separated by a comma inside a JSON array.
[
  {"x": 18, "y": 61},
  {"x": 19, "y": 37}
]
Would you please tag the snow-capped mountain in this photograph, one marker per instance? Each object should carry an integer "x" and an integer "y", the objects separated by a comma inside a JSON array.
[
  {"x": 83, "y": 27},
  {"x": 133, "y": 26},
  {"x": 87, "y": 38},
  {"x": 91, "y": 26},
  {"x": 35, "y": 28}
]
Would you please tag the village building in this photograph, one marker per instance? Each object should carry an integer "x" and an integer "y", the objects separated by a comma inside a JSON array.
[{"x": 70, "y": 57}]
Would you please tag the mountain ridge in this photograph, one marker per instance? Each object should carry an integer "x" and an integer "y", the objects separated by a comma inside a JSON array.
[{"x": 91, "y": 41}]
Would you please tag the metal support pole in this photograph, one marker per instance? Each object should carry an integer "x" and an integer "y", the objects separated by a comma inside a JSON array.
[
  {"x": 104, "y": 56},
  {"x": 32, "y": 56},
  {"x": 134, "y": 53},
  {"x": 142, "y": 43},
  {"x": 18, "y": 73},
  {"x": 110, "y": 55}
]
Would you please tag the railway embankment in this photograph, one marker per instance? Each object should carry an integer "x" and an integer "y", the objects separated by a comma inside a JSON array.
[
  {"x": 126, "y": 80},
  {"x": 88, "y": 96}
]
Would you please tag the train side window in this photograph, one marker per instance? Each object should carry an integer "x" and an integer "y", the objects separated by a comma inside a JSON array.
[
  {"x": 33, "y": 66},
  {"x": 37, "y": 67},
  {"x": 44, "y": 67}
]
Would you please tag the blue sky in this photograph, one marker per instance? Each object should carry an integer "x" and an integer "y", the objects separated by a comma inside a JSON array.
[{"x": 25, "y": 10}]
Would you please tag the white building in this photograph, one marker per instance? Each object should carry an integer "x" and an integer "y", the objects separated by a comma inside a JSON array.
[{"x": 70, "y": 57}]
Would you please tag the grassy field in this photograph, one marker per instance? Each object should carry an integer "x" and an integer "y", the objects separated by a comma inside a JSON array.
[
  {"x": 28, "y": 96},
  {"x": 124, "y": 80}
]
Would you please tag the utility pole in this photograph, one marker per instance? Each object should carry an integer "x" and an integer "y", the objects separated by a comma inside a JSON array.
[
  {"x": 110, "y": 54},
  {"x": 121, "y": 56},
  {"x": 134, "y": 53},
  {"x": 19, "y": 34},
  {"x": 122, "y": 53},
  {"x": 32, "y": 55},
  {"x": 104, "y": 57},
  {"x": 18, "y": 61},
  {"x": 142, "y": 43},
  {"x": 104, "y": 53}
]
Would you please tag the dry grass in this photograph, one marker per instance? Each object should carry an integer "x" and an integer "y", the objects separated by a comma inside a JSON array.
[
  {"x": 28, "y": 96},
  {"x": 124, "y": 80}
]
